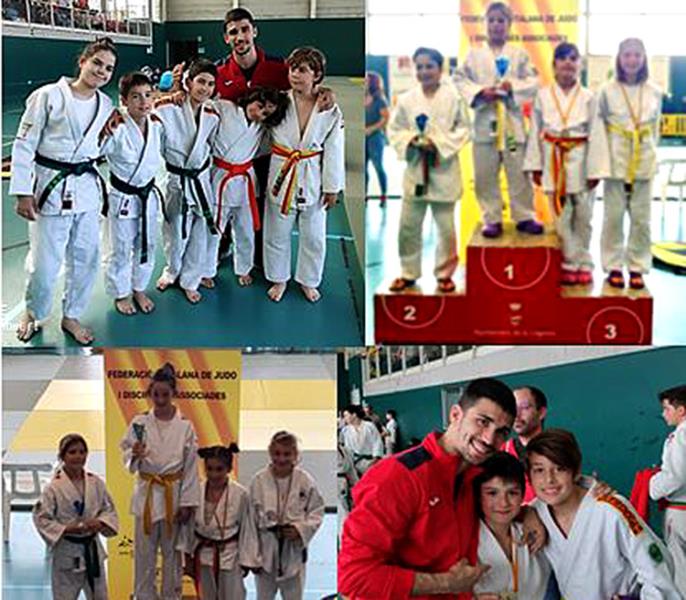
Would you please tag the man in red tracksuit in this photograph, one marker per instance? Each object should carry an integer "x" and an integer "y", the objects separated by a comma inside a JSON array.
[
  {"x": 532, "y": 407},
  {"x": 413, "y": 531}
]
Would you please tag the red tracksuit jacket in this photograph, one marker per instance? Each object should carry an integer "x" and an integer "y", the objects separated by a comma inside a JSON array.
[
  {"x": 269, "y": 71},
  {"x": 411, "y": 513},
  {"x": 529, "y": 493}
]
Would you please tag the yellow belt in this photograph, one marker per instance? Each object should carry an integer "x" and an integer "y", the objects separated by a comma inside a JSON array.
[
  {"x": 293, "y": 157},
  {"x": 167, "y": 482},
  {"x": 500, "y": 114},
  {"x": 634, "y": 136}
]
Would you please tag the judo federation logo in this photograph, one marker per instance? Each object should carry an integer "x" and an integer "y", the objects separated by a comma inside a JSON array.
[{"x": 655, "y": 553}]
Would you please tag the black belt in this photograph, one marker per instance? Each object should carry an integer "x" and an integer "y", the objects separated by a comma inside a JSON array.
[
  {"x": 64, "y": 170},
  {"x": 358, "y": 457},
  {"x": 194, "y": 176},
  {"x": 277, "y": 530},
  {"x": 143, "y": 192},
  {"x": 90, "y": 552}
]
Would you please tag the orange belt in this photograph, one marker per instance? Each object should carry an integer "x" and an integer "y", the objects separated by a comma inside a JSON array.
[
  {"x": 558, "y": 155},
  {"x": 167, "y": 482},
  {"x": 238, "y": 170},
  {"x": 293, "y": 157}
]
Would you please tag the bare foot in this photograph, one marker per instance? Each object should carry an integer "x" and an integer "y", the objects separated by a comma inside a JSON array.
[
  {"x": 28, "y": 327},
  {"x": 312, "y": 294},
  {"x": 144, "y": 303},
  {"x": 125, "y": 306},
  {"x": 207, "y": 282},
  {"x": 277, "y": 291},
  {"x": 81, "y": 334},
  {"x": 193, "y": 296},
  {"x": 162, "y": 284},
  {"x": 244, "y": 280}
]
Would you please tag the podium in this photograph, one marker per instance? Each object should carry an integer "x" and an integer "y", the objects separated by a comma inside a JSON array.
[{"x": 512, "y": 295}]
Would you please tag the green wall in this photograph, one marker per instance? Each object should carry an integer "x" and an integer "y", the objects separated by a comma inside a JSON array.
[
  {"x": 610, "y": 404},
  {"x": 27, "y": 64},
  {"x": 342, "y": 40}
]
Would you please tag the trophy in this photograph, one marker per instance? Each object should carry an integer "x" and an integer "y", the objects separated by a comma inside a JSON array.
[
  {"x": 425, "y": 154},
  {"x": 503, "y": 137},
  {"x": 139, "y": 432}
]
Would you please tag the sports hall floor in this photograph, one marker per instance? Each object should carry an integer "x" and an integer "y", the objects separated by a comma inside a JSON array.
[
  {"x": 228, "y": 316},
  {"x": 383, "y": 263}
]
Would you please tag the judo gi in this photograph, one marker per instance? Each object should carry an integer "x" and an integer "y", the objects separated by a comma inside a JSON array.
[
  {"x": 234, "y": 145},
  {"x": 435, "y": 180},
  {"x": 167, "y": 479},
  {"x": 528, "y": 574},
  {"x": 189, "y": 225},
  {"x": 558, "y": 147},
  {"x": 498, "y": 133},
  {"x": 223, "y": 539},
  {"x": 669, "y": 485},
  {"x": 300, "y": 171},
  {"x": 53, "y": 159},
  {"x": 609, "y": 550},
  {"x": 78, "y": 560},
  {"x": 363, "y": 443},
  {"x": 293, "y": 500},
  {"x": 134, "y": 159},
  {"x": 623, "y": 152}
]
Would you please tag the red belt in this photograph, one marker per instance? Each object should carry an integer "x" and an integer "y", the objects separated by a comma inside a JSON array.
[
  {"x": 560, "y": 148},
  {"x": 663, "y": 504},
  {"x": 218, "y": 547},
  {"x": 238, "y": 170}
]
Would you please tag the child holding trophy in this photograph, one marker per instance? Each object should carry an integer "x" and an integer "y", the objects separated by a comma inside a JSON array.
[
  {"x": 160, "y": 447},
  {"x": 428, "y": 128},
  {"x": 495, "y": 80}
]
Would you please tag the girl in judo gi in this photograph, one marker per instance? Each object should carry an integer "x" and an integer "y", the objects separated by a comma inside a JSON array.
[
  {"x": 306, "y": 173},
  {"x": 160, "y": 448},
  {"x": 236, "y": 142},
  {"x": 428, "y": 128},
  {"x": 74, "y": 509},
  {"x": 556, "y": 157},
  {"x": 623, "y": 152},
  {"x": 189, "y": 225},
  {"x": 132, "y": 141},
  {"x": 59, "y": 190},
  {"x": 514, "y": 571},
  {"x": 288, "y": 510},
  {"x": 496, "y": 80},
  {"x": 599, "y": 547},
  {"x": 224, "y": 539}
]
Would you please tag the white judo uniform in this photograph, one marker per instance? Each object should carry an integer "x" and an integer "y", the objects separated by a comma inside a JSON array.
[
  {"x": 301, "y": 169},
  {"x": 293, "y": 500},
  {"x": 447, "y": 128},
  {"x": 347, "y": 477},
  {"x": 57, "y": 128},
  {"x": 498, "y": 133},
  {"x": 558, "y": 147},
  {"x": 364, "y": 444},
  {"x": 528, "y": 575},
  {"x": 166, "y": 479},
  {"x": 222, "y": 539},
  {"x": 189, "y": 225},
  {"x": 609, "y": 550},
  {"x": 670, "y": 485},
  {"x": 134, "y": 159},
  {"x": 76, "y": 559},
  {"x": 235, "y": 143},
  {"x": 623, "y": 152}
]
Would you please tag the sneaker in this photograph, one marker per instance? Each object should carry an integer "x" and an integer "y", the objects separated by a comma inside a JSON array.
[
  {"x": 636, "y": 281},
  {"x": 530, "y": 226},
  {"x": 616, "y": 279},
  {"x": 584, "y": 277},
  {"x": 569, "y": 277},
  {"x": 492, "y": 230}
]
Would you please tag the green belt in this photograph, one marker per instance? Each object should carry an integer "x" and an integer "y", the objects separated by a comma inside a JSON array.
[
  {"x": 143, "y": 192},
  {"x": 194, "y": 176},
  {"x": 64, "y": 170}
]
